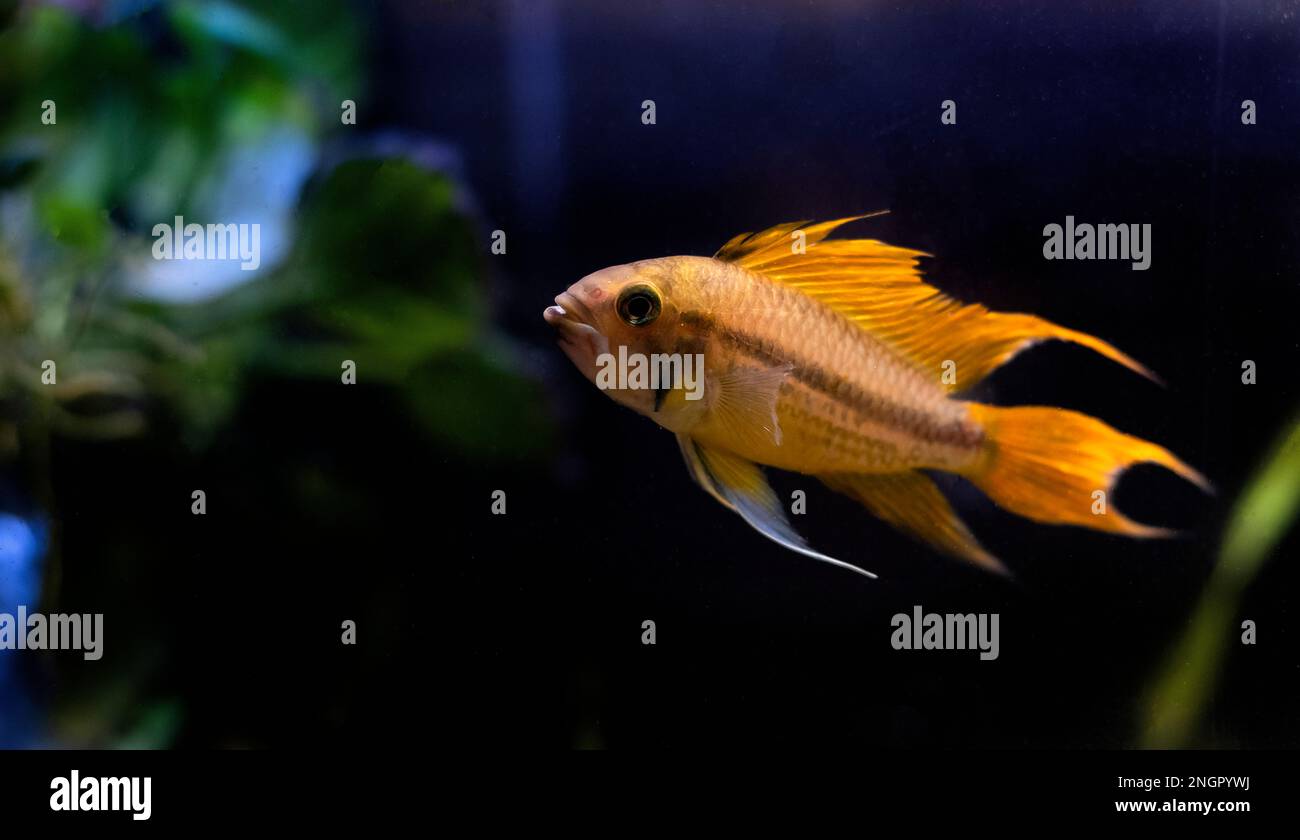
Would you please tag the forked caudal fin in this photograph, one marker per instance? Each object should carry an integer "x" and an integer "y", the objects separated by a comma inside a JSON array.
[{"x": 1046, "y": 464}]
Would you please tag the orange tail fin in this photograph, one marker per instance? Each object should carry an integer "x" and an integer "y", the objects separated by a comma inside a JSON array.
[{"x": 1047, "y": 464}]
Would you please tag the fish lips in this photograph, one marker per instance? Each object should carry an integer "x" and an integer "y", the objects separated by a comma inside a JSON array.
[{"x": 581, "y": 341}]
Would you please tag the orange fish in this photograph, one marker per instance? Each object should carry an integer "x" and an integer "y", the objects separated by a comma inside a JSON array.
[{"x": 834, "y": 359}]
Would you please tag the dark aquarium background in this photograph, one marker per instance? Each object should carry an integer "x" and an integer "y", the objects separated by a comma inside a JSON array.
[{"x": 372, "y": 502}]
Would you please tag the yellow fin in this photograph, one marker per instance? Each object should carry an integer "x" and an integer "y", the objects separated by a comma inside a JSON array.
[
  {"x": 743, "y": 401},
  {"x": 749, "y": 249},
  {"x": 879, "y": 287},
  {"x": 1047, "y": 464},
  {"x": 913, "y": 504},
  {"x": 741, "y": 486}
]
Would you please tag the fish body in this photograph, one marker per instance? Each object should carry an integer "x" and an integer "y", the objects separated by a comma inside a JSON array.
[
  {"x": 834, "y": 359},
  {"x": 847, "y": 402}
]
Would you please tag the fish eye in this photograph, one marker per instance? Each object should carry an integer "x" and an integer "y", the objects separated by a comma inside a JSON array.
[{"x": 639, "y": 305}]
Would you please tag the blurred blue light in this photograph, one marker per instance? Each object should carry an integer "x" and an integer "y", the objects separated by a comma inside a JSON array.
[{"x": 22, "y": 552}]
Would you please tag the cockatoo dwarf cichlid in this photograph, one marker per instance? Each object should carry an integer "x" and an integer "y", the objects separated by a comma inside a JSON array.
[{"x": 834, "y": 359}]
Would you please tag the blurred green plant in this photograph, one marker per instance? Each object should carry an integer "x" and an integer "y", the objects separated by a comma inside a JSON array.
[
  {"x": 159, "y": 112},
  {"x": 383, "y": 265},
  {"x": 394, "y": 271},
  {"x": 144, "y": 114},
  {"x": 1268, "y": 507}
]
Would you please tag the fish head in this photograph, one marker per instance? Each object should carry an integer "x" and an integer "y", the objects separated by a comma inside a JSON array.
[{"x": 620, "y": 315}]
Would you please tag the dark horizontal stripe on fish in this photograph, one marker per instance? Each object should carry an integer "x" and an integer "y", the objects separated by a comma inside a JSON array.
[{"x": 838, "y": 388}]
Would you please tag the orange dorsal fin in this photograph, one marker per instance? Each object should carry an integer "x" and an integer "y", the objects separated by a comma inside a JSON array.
[{"x": 879, "y": 287}]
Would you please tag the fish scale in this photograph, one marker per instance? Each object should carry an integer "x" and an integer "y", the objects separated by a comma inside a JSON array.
[{"x": 897, "y": 410}]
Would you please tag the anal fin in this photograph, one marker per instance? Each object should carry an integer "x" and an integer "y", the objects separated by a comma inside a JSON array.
[
  {"x": 912, "y": 503},
  {"x": 740, "y": 485}
]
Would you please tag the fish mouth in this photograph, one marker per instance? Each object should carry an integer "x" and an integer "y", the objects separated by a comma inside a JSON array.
[{"x": 572, "y": 321}]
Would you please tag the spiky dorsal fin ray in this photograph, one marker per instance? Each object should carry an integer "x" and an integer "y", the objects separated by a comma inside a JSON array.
[{"x": 879, "y": 287}]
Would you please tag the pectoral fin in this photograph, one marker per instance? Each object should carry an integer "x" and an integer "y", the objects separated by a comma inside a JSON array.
[
  {"x": 743, "y": 401},
  {"x": 740, "y": 485}
]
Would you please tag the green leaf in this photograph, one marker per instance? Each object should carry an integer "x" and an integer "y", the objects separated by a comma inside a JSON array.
[{"x": 1266, "y": 510}]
